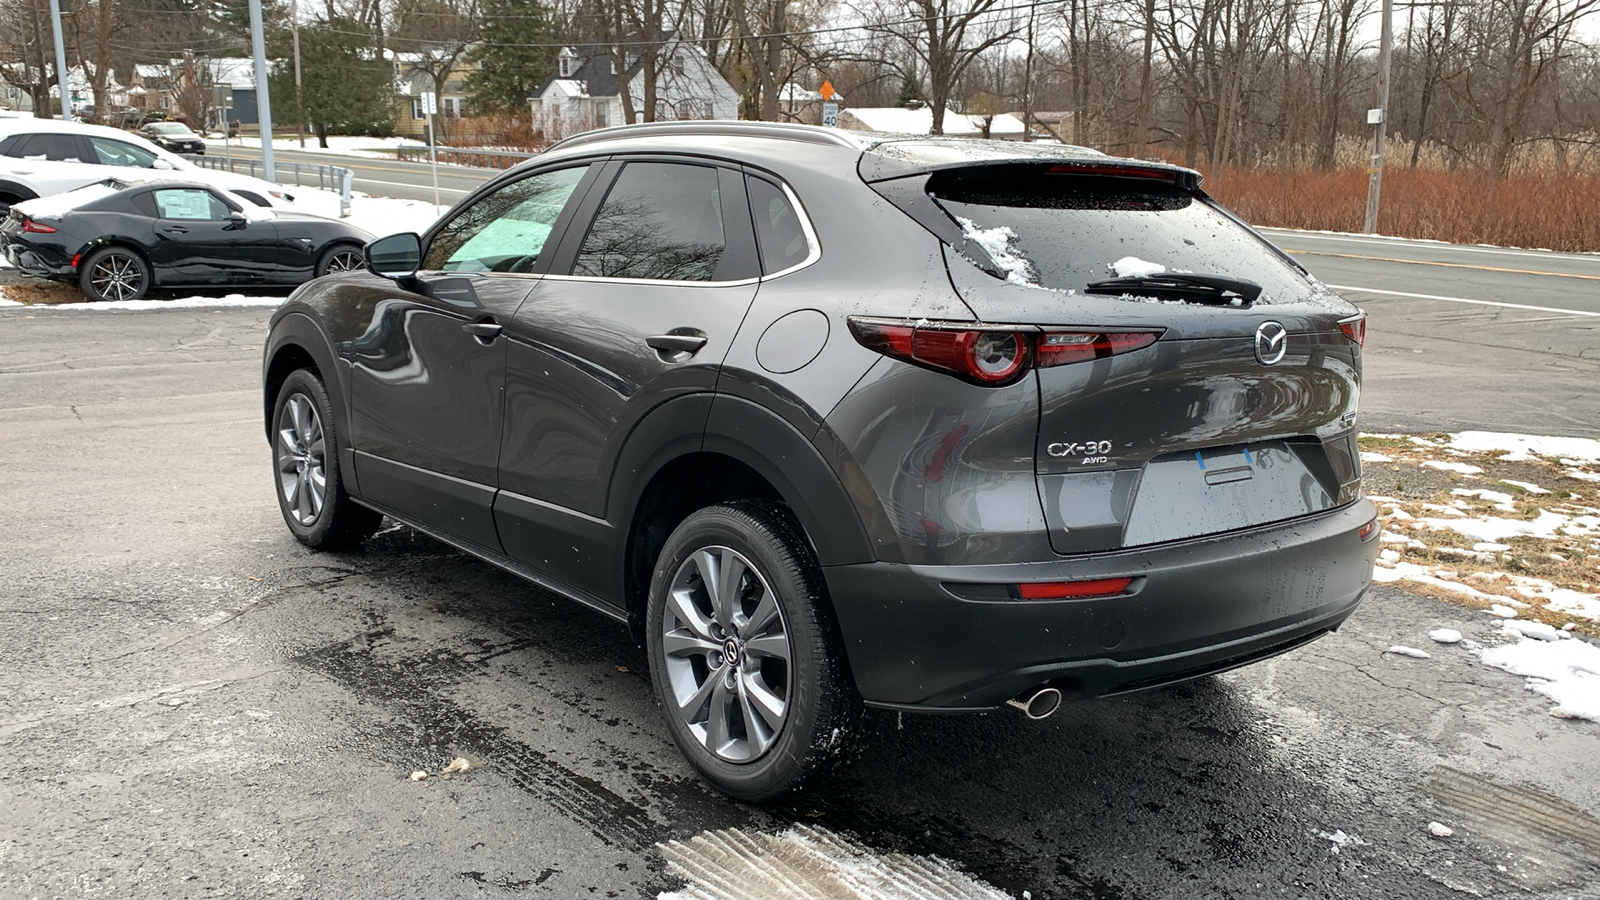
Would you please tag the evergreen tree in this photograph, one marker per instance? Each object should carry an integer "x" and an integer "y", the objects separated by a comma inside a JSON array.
[
  {"x": 347, "y": 86},
  {"x": 909, "y": 90},
  {"x": 509, "y": 70}
]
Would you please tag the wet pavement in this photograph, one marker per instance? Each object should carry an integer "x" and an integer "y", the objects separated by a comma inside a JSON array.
[{"x": 191, "y": 704}]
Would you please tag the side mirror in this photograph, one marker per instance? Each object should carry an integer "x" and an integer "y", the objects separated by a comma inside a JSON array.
[
  {"x": 236, "y": 219},
  {"x": 160, "y": 163},
  {"x": 396, "y": 256}
]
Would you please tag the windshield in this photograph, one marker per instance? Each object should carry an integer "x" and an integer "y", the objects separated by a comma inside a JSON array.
[
  {"x": 170, "y": 128},
  {"x": 1064, "y": 230}
]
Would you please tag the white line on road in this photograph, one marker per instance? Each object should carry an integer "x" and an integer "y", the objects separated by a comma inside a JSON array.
[
  {"x": 1439, "y": 245},
  {"x": 1550, "y": 309}
]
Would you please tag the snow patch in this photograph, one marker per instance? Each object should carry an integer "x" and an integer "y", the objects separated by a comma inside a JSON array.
[
  {"x": 1445, "y": 635},
  {"x": 1445, "y": 466},
  {"x": 231, "y": 300},
  {"x": 809, "y": 862},
  {"x": 997, "y": 243},
  {"x": 1414, "y": 653},
  {"x": 1340, "y": 839},
  {"x": 1134, "y": 267},
  {"x": 1567, "y": 672},
  {"x": 1530, "y": 488},
  {"x": 1439, "y": 829},
  {"x": 1524, "y": 447}
]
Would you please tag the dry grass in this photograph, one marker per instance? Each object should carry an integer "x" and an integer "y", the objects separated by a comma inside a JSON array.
[
  {"x": 1462, "y": 570},
  {"x": 43, "y": 293},
  {"x": 1548, "y": 211}
]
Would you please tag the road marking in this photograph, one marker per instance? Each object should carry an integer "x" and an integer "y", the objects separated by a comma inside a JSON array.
[
  {"x": 1439, "y": 245},
  {"x": 1551, "y": 309},
  {"x": 1448, "y": 265},
  {"x": 805, "y": 863}
]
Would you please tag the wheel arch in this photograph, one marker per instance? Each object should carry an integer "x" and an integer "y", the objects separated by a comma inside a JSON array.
[
  {"x": 670, "y": 468},
  {"x": 296, "y": 342},
  {"x": 14, "y": 192}
]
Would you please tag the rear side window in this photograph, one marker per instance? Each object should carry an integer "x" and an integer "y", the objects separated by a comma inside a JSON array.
[
  {"x": 1062, "y": 230},
  {"x": 52, "y": 147},
  {"x": 118, "y": 153},
  {"x": 504, "y": 231},
  {"x": 779, "y": 234},
  {"x": 660, "y": 221}
]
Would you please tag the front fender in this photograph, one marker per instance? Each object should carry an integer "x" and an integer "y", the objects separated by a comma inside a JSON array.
[{"x": 292, "y": 339}]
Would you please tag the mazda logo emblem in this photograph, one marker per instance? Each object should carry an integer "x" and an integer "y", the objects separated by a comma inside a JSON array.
[{"x": 1272, "y": 342}]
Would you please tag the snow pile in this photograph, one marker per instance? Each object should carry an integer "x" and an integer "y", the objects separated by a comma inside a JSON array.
[
  {"x": 1524, "y": 447},
  {"x": 1566, "y": 671},
  {"x": 231, "y": 300},
  {"x": 997, "y": 243},
  {"x": 377, "y": 215},
  {"x": 341, "y": 145},
  {"x": 1134, "y": 267}
]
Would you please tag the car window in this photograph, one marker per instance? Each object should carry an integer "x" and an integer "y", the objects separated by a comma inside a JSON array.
[
  {"x": 190, "y": 203},
  {"x": 660, "y": 221},
  {"x": 779, "y": 234},
  {"x": 118, "y": 153},
  {"x": 52, "y": 147},
  {"x": 504, "y": 231}
]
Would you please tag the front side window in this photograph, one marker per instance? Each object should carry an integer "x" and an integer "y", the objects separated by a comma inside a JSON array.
[
  {"x": 190, "y": 203},
  {"x": 779, "y": 234},
  {"x": 117, "y": 153},
  {"x": 505, "y": 231},
  {"x": 661, "y": 221}
]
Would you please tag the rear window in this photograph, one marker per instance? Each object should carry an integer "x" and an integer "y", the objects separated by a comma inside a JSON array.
[{"x": 1062, "y": 230}]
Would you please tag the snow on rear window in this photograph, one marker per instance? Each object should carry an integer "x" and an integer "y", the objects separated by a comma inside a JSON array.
[{"x": 997, "y": 243}]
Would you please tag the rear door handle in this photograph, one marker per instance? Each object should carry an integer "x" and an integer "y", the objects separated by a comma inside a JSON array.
[
  {"x": 485, "y": 332},
  {"x": 676, "y": 343}
]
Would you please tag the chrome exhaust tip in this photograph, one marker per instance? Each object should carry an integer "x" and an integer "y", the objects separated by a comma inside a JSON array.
[{"x": 1040, "y": 704}]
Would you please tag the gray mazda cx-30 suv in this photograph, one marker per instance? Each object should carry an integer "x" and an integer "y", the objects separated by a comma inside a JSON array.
[{"x": 832, "y": 419}]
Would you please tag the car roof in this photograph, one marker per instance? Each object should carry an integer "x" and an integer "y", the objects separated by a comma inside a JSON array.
[
  {"x": 881, "y": 155},
  {"x": 15, "y": 126}
]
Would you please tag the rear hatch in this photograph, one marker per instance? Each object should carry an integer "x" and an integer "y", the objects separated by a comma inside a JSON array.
[{"x": 1230, "y": 399}]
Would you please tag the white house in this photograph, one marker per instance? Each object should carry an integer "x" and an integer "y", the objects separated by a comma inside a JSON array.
[
  {"x": 584, "y": 92},
  {"x": 899, "y": 120}
]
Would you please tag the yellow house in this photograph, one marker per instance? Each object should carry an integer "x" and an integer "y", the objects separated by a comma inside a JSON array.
[{"x": 412, "y": 80}]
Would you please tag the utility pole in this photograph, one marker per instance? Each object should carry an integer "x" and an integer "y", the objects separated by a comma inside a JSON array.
[
  {"x": 299, "y": 101},
  {"x": 263, "y": 101},
  {"x": 61, "y": 61},
  {"x": 1380, "y": 118}
]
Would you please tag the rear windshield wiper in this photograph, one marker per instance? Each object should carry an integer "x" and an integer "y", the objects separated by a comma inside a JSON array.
[{"x": 1182, "y": 285}]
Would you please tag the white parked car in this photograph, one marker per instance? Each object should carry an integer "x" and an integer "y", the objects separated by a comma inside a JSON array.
[{"x": 40, "y": 157}]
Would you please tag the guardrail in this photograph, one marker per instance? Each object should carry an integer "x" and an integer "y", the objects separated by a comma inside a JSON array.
[
  {"x": 327, "y": 178},
  {"x": 466, "y": 156}
]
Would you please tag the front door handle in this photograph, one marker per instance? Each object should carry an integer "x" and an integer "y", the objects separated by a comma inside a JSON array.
[
  {"x": 485, "y": 332},
  {"x": 175, "y": 229},
  {"x": 676, "y": 343}
]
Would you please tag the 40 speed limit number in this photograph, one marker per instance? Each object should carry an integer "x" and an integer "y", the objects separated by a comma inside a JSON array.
[{"x": 1084, "y": 451}]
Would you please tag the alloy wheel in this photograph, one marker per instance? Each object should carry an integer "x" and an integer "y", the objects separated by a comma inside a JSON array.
[
  {"x": 117, "y": 276},
  {"x": 345, "y": 261},
  {"x": 302, "y": 475},
  {"x": 727, "y": 654}
]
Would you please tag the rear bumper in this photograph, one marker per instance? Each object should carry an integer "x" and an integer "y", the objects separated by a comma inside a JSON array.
[
  {"x": 41, "y": 264},
  {"x": 1195, "y": 607}
]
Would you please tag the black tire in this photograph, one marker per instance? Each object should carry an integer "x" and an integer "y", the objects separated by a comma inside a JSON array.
[
  {"x": 820, "y": 721},
  {"x": 341, "y": 258},
  {"x": 114, "y": 273},
  {"x": 305, "y": 449}
]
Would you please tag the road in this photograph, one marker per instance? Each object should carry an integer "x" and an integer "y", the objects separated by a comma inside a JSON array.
[
  {"x": 1456, "y": 336},
  {"x": 191, "y": 704}
]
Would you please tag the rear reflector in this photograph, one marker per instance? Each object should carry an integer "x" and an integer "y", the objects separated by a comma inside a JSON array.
[
  {"x": 1071, "y": 590},
  {"x": 1367, "y": 530},
  {"x": 1063, "y": 347},
  {"x": 1355, "y": 328}
]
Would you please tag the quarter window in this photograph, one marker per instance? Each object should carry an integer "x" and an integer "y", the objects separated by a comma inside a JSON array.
[
  {"x": 52, "y": 147},
  {"x": 660, "y": 221},
  {"x": 779, "y": 234},
  {"x": 505, "y": 231},
  {"x": 190, "y": 203}
]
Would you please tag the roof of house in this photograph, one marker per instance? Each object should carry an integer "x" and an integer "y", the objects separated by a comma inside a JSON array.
[
  {"x": 593, "y": 76},
  {"x": 237, "y": 71},
  {"x": 898, "y": 120}
]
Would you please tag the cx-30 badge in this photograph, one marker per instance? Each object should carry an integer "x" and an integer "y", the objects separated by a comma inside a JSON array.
[{"x": 1272, "y": 342}]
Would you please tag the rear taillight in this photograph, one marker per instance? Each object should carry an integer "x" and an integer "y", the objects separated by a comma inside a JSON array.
[
  {"x": 36, "y": 227},
  {"x": 1355, "y": 328},
  {"x": 990, "y": 356}
]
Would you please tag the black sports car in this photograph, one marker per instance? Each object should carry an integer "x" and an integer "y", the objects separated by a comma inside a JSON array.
[
  {"x": 174, "y": 136},
  {"x": 117, "y": 239}
]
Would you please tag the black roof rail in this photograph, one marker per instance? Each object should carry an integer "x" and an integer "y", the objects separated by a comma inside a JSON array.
[{"x": 811, "y": 134}]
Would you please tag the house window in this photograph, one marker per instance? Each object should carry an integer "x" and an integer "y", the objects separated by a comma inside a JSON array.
[
  {"x": 568, "y": 63},
  {"x": 417, "y": 114},
  {"x": 602, "y": 114}
]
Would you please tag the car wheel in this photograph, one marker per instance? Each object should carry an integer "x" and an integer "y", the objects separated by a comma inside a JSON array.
[
  {"x": 305, "y": 460},
  {"x": 114, "y": 273},
  {"x": 743, "y": 653},
  {"x": 340, "y": 258}
]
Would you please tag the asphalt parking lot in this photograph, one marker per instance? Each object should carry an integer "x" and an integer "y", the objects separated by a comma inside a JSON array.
[{"x": 191, "y": 704}]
